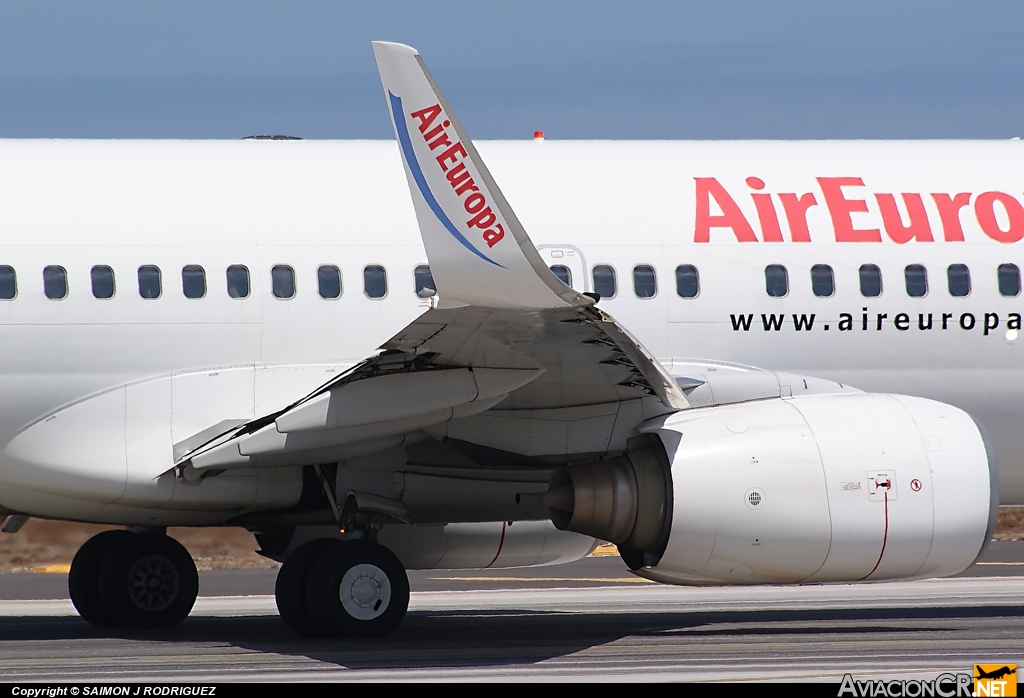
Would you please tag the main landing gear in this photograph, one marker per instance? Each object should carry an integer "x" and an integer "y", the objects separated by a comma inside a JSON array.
[
  {"x": 333, "y": 588},
  {"x": 133, "y": 580}
]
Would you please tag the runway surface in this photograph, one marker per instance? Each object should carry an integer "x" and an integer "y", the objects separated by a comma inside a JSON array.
[{"x": 590, "y": 620}]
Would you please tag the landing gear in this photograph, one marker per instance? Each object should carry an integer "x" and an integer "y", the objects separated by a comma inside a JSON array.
[
  {"x": 133, "y": 580},
  {"x": 83, "y": 579},
  {"x": 342, "y": 589}
]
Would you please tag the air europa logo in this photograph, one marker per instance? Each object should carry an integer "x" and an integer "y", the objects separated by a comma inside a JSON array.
[
  {"x": 450, "y": 160},
  {"x": 999, "y": 215}
]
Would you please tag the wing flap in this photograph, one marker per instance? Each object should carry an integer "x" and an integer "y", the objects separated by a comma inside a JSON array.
[{"x": 506, "y": 331}]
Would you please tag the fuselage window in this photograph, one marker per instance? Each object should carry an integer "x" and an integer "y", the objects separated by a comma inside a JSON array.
[
  {"x": 687, "y": 281},
  {"x": 823, "y": 281},
  {"x": 282, "y": 281},
  {"x": 328, "y": 281},
  {"x": 149, "y": 281},
  {"x": 425, "y": 286},
  {"x": 193, "y": 281},
  {"x": 1009, "y": 280},
  {"x": 917, "y": 280},
  {"x": 959, "y": 277},
  {"x": 604, "y": 281},
  {"x": 8, "y": 283},
  {"x": 870, "y": 281},
  {"x": 375, "y": 281},
  {"x": 238, "y": 281},
  {"x": 645, "y": 283},
  {"x": 776, "y": 280},
  {"x": 102, "y": 281},
  {"x": 562, "y": 273},
  {"x": 55, "y": 283}
]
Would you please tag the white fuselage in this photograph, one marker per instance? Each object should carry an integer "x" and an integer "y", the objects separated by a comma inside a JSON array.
[{"x": 125, "y": 204}]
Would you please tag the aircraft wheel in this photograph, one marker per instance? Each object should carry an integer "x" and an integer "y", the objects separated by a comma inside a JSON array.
[
  {"x": 357, "y": 589},
  {"x": 83, "y": 579},
  {"x": 290, "y": 588},
  {"x": 148, "y": 580}
]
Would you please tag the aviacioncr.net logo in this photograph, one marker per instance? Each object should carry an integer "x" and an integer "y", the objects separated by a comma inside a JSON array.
[{"x": 943, "y": 686}]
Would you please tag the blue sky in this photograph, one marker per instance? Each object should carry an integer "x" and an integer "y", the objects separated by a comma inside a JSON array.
[{"x": 727, "y": 69}]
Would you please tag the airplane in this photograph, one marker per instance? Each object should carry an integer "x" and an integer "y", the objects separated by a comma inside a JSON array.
[
  {"x": 702, "y": 352},
  {"x": 995, "y": 673}
]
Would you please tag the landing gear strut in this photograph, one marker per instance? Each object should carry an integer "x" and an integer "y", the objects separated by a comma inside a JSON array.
[
  {"x": 133, "y": 580},
  {"x": 338, "y": 588}
]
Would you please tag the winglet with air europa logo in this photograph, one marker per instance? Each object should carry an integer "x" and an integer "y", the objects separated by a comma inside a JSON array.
[{"x": 478, "y": 251}]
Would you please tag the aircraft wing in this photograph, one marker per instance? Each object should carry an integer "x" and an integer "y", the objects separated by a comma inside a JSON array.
[{"x": 504, "y": 329}]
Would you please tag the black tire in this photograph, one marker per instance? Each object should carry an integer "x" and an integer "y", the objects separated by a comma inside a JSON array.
[
  {"x": 84, "y": 577},
  {"x": 148, "y": 580},
  {"x": 357, "y": 589},
  {"x": 290, "y": 588}
]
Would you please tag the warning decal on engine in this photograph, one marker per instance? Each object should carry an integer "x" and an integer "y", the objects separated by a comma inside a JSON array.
[{"x": 881, "y": 485}]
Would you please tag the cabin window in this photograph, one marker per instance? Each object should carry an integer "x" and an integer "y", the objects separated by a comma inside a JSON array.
[
  {"x": 8, "y": 283},
  {"x": 102, "y": 281},
  {"x": 375, "y": 281},
  {"x": 645, "y": 283},
  {"x": 604, "y": 281},
  {"x": 823, "y": 280},
  {"x": 870, "y": 281},
  {"x": 562, "y": 273},
  {"x": 1009, "y": 280},
  {"x": 959, "y": 277},
  {"x": 687, "y": 281},
  {"x": 149, "y": 281},
  {"x": 282, "y": 281},
  {"x": 193, "y": 281},
  {"x": 238, "y": 281},
  {"x": 916, "y": 277},
  {"x": 328, "y": 281},
  {"x": 424, "y": 281},
  {"x": 776, "y": 280},
  {"x": 55, "y": 283}
]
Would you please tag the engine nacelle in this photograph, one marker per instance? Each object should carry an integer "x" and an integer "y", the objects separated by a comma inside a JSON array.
[
  {"x": 823, "y": 488},
  {"x": 826, "y": 488}
]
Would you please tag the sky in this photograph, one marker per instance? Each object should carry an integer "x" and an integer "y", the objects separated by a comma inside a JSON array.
[{"x": 653, "y": 69}]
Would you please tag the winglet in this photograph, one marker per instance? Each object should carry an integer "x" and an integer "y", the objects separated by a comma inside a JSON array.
[{"x": 478, "y": 251}]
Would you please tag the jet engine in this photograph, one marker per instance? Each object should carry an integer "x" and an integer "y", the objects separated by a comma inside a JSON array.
[{"x": 823, "y": 488}]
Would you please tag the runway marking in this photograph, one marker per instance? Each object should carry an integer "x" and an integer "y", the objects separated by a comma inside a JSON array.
[
  {"x": 614, "y": 580},
  {"x": 1004, "y": 564}
]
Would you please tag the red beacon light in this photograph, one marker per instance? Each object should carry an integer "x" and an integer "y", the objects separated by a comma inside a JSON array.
[{"x": 538, "y": 135}]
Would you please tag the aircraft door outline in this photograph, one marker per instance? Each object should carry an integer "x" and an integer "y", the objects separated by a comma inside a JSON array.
[{"x": 570, "y": 257}]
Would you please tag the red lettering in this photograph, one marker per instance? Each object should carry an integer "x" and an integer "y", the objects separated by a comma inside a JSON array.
[
  {"x": 474, "y": 203},
  {"x": 916, "y": 228},
  {"x": 439, "y": 141},
  {"x": 770, "y": 230},
  {"x": 985, "y": 211},
  {"x": 494, "y": 235},
  {"x": 434, "y": 132},
  {"x": 796, "y": 215},
  {"x": 484, "y": 219},
  {"x": 457, "y": 175},
  {"x": 468, "y": 185},
  {"x": 732, "y": 216},
  {"x": 949, "y": 213},
  {"x": 449, "y": 156},
  {"x": 427, "y": 116},
  {"x": 840, "y": 208}
]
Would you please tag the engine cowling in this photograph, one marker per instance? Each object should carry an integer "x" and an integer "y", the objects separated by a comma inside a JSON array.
[{"x": 824, "y": 488}]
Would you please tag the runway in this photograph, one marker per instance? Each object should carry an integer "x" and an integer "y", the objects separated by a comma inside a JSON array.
[{"x": 587, "y": 621}]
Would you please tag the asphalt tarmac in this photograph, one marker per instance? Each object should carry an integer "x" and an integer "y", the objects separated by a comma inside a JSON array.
[{"x": 590, "y": 620}]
